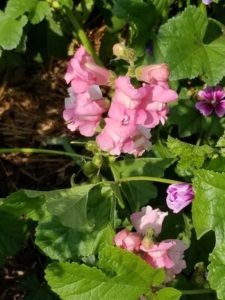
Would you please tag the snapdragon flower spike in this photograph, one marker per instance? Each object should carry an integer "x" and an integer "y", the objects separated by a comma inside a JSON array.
[
  {"x": 84, "y": 111},
  {"x": 82, "y": 72},
  {"x": 179, "y": 196},
  {"x": 211, "y": 99}
]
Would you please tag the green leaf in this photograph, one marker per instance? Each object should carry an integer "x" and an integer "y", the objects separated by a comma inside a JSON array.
[
  {"x": 208, "y": 213},
  {"x": 12, "y": 234},
  {"x": 216, "y": 269},
  {"x": 191, "y": 157},
  {"x": 11, "y": 31},
  {"x": 62, "y": 242},
  {"x": 192, "y": 46},
  {"x": 39, "y": 12},
  {"x": 70, "y": 205},
  {"x": 129, "y": 277},
  {"x": 208, "y": 208},
  {"x": 162, "y": 5},
  {"x": 168, "y": 293},
  {"x": 16, "y": 8},
  {"x": 67, "y": 3},
  {"x": 21, "y": 203}
]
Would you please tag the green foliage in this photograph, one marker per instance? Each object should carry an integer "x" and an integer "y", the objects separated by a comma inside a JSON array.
[
  {"x": 139, "y": 193},
  {"x": 130, "y": 11},
  {"x": 208, "y": 214},
  {"x": 190, "y": 121},
  {"x": 191, "y": 157},
  {"x": 80, "y": 226},
  {"x": 121, "y": 275},
  {"x": 192, "y": 46}
]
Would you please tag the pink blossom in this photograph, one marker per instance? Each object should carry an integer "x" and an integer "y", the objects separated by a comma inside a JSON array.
[
  {"x": 84, "y": 111},
  {"x": 126, "y": 94},
  {"x": 82, "y": 72},
  {"x": 176, "y": 253},
  {"x": 123, "y": 137},
  {"x": 158, "y": 255},
  {"x": 154, "y": 74},
  {"x": 148, "y": 218},
  {"x": 179, "y": 196},
  {"x": 130, "y": 241},
  {"x": 206, "y": 2},
  {"x": 211, "y": 99}
]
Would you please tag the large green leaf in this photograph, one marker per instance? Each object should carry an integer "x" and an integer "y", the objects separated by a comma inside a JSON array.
[
  {"x": 39, "y": 12},
  {"x": 168, "y": 293},
  {"x": 127, "y": 277},
  {"x": 208, "y": 208},
  {"x": 11, "y": 31},
  {"x": 70, "y": 205},
  {"x": 63, "y": 242},
  {"x": 192, "y": 46},
  {"x": 208, "y": 213}
]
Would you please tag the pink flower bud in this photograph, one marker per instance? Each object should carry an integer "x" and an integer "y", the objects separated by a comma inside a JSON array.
[
  {"x": 148, "y": 218},
  {"x": 156, "y": 74},
  {"x": 179, "y": 196},
  {"x": 130, "y": 241}
]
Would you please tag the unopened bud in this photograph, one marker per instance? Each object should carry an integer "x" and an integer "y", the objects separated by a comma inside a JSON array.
[
  {"x": 56, "y": 4},
  {"x": 97, "y": 160}
]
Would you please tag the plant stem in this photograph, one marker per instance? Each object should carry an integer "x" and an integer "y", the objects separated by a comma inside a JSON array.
[
  {"x": 148, "y": 178},
  {"x": 82, "y": 36},
  {"x": 44, "y": 151},
  {"x": 198, "y": 292}
]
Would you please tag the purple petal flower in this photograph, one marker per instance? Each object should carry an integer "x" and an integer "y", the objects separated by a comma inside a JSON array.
[
  {"x": 179, "y": 196},
  {"x": 211, "y": 99}
]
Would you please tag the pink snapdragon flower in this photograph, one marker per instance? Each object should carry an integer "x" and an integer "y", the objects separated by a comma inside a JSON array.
[
  {"x": 82, "y": 72},
  {"x": 179, "y": 196},
  {"x": 158, "y": 255},
  {"x": 176, "y": 253},
  {"x": 148, "y": 218},
  {"x": 84, "y": 111},
  {"x": 211, "y": 99},
  {"x": 154, "y": 74},
  {"x": 154, "y": 104},
  {"x": 130, "y": 241}
]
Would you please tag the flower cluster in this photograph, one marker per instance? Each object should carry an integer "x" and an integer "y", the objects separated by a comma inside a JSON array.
[
  {"x": 133, "y": 111},
  {"x": 167, "y": 254}
]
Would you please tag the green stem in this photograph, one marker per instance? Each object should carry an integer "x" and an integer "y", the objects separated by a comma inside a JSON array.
[
  {"x": 148, "y": 178},
  {"x": 82, "y": 36},
  {"x": 198, "y": 292},
  {"x": 44, "y": 151},
  {"x": 203, "y": 8}
]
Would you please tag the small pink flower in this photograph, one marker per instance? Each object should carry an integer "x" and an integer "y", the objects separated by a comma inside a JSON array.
[
  {"x": 158, "y": 255},
  {"x": 82, "y": 72},
  {"x": 130, "y": 241},
  {"x": 176, "y": 253},
  {"x": 148, "y": 218},
  {"x": 211, "y": 99},
  {"x": 154, "y": 74},
  {"x": 206, "y": 2},
  {"x": 84, "y": 111},
  {"x": 179, "y": 196}
]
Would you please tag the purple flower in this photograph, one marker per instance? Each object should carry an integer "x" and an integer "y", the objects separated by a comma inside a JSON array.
[
  {"x": 179, "y": 196},
  {"x": 211, "y": 99},
  {"x": 206, "y": 2}
]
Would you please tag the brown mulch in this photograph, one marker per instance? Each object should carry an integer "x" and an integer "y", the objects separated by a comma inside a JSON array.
[{"x": 30, "y": 115}]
